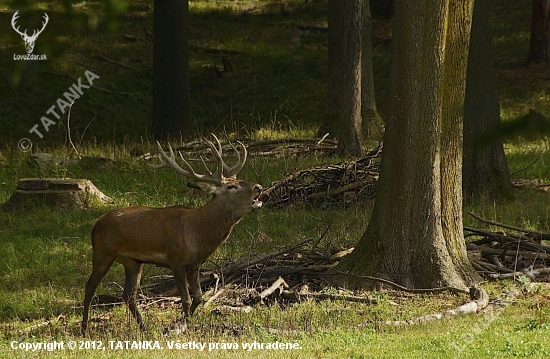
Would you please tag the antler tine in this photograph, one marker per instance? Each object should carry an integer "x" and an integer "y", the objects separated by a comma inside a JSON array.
[
  {"x": 13, "y": 24},
  {"x": 205, "y": 165},
  {"x": 44, "y": 23},
  {"x": 218, "y": 153},
  {"x": 228, "y": 171},
  {"x": 172, "y": 163},
  {"x": 233, "y": 171},
  {"x": 35, "y": 33}
]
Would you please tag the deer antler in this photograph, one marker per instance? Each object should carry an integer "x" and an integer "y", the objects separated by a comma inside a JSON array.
[
  {"x": 35, "y": 32},
  {"x": 44, "y": 23},
  {"x": 228, "y": 171},
  {"x": 222, "y": 169},
  {"x": 13, "y": 20},
  {"x": 171, "y": 162}
]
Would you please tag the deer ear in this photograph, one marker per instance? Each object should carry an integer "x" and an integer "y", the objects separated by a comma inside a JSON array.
[{"x": 203, "y": 186}]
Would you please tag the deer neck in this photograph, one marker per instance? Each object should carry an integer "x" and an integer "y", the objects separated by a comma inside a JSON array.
[{"x": 216, "y": 221}]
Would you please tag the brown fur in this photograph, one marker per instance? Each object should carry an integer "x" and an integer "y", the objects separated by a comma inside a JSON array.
[{"x": 178, "y": 237}]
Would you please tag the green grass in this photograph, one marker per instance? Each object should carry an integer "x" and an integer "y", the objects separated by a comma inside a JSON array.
[
  {"x": 46, "y": 259},
  {"x": 277, "y": 91}
]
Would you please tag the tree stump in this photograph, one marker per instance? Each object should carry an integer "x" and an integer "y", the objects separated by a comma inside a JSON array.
[{"x": 63, "y": 193}]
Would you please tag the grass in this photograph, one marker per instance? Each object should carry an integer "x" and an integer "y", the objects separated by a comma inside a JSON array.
[{"x": 277, "y": 91}]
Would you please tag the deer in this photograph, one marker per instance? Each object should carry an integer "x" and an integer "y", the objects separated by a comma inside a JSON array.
[
  {"x": 178, "y": 237},
  {"x": 29, "y": 40}
]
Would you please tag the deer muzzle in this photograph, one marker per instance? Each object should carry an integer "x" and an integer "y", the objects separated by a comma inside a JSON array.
[{"x": 256, "y": 203}]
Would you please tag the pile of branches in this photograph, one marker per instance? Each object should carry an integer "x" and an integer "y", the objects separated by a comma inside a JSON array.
[
  {"x": 509, "y": 254},
  {"x": 293, "y": 273},
  {"x": 341, "y": 183},
  {"x": 287, "y": 147},
  {"x": 288, "y": 274}
]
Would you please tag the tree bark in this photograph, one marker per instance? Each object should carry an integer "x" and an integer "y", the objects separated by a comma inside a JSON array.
[
  {"x": 382, "y": 9},
  {"x": 415, "y": 235},
  {"x": 335, "y": 49},
  {"x": 349, "y": 135},
  {"x": 171, "y": 98},
  {"x": 539, "y": 43},
  {"x": 373, "y": 126},
  {"x": 485, "y": 173},
  {"x": 351, "y": 104}
]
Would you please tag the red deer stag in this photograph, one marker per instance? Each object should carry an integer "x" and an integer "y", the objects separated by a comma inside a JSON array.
[{"x": 177, "y": 237}]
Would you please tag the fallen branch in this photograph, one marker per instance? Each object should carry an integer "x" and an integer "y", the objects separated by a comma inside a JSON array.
[
  {"x": 231, "y": 269},
  {"x": 338, "y": 183},
  {"x": 400, "y": 287},
  {"x": 214, "y": 297},
  {"x": 536, "y": 234},
  {"x": 531, "y": 273},
  {"x": 279, "y": 285},
  {"x": 479, "y": 300},
  {"x": 342, "y": 297},
  {"x": 485, "y": 251}
]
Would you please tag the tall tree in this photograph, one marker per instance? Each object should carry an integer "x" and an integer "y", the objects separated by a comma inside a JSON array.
[
  {"x": 171, "y": 99},
  {"x": 335, "y": 54},
  {"x": 539, "y": 44},
  {"x": 373, "y": 127},
  {"x": 485, "y": 171},
  {"x": 349, "y": 135},
  {"x": 415, "y": 234},
  {"x": 351, "y": 106}
]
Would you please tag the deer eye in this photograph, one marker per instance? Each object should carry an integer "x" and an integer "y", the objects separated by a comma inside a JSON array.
[{"x": 231, "y": 186}]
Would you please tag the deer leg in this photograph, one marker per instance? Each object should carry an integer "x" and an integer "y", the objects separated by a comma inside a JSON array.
[
  {"x": 98, "y": 272},
  {"x": 195, "y": 288},
  {"x": 180, "y": 275},
  {"x": 133, "y": 275}
]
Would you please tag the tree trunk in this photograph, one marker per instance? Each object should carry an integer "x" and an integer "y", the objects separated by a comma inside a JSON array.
[
  {"x": 349, "y": 136},
  {"x": 381, "y": 9},
  {"x": 415, "y": 235},
  {"x": 485, "y": 171},
  {"x": 373, "y": 127},
  {"x": 351, "y": 105},
  {"x": 335, "y": 53},
  {"x": 171, "y": 99},
  {"x": 539, "y": 44}
]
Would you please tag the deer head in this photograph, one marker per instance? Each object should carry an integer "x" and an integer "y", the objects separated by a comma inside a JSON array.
[
  {"x": 29, "y": 40},
  {"x": 178, "y": 237},
  {"x": 223, "y": 183}
]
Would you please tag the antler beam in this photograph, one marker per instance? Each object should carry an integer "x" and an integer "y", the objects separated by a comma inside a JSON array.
[{"x": 222, "y": 169}]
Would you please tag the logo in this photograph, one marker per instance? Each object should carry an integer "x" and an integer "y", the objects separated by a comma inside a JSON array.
[{"x": 29, "y": 40}]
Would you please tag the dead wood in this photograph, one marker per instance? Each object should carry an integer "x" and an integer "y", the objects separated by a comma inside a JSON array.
[
  {"x": 288, "y": 147},
  {"x": 346, "y": 298},
  {"x": 508, "y": 255},
  {"x": 279, "y": 285},
  {"x": 532, "y": 273},
  {"x": 341, "y": 183},
  {"x": 400, "y": 287},
  {"x": 231, "y": 269},
  {"x": 479, "y": 299},
  {"x": 535, "y": 235}
]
